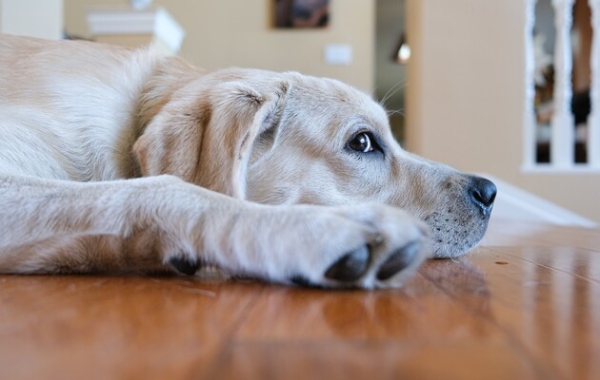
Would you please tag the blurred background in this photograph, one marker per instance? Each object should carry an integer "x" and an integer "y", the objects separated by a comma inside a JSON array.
[{"x": 485, "y": 86}]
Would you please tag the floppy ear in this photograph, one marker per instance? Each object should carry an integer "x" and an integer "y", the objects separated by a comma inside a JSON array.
[{"x": 206, "y": 138}]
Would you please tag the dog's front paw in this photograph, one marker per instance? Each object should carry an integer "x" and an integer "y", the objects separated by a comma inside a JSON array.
[
  {"x": 367, "y": 246},
  {"x": 374, "y": 247}
]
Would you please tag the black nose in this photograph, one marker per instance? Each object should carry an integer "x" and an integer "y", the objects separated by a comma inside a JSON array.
[{"x": 482, "y": 192}]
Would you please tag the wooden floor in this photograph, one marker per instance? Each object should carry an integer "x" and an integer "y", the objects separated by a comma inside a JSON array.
[{"x": 526, "y": 304}]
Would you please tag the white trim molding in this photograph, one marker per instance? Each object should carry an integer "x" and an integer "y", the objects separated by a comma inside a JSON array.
[
  {"x": 594, "y": 118},
  {"x": 157, "y": 22},
  {"x": 513, "y": 203},
  {"x": 529, "y": 120},
  {"x": 562, "y": 144}
]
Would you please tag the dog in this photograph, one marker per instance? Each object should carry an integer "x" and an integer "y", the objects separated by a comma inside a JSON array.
[{"x": 124, "y": 160}]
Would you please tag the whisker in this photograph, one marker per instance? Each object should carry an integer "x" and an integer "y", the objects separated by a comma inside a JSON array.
[
  {"x": 396, "y": 112},
  {"x": 392, "y": 91}
]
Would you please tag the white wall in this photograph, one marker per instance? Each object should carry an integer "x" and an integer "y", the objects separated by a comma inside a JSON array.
[{"x": 36, "y": 18}]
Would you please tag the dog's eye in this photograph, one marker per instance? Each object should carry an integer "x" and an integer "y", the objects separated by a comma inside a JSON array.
[{"x": 362, "y": 143}]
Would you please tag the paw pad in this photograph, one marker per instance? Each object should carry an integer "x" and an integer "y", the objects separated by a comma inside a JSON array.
[
  {"x": 398, "y": 260},
  {"x": 350, "y": 267},
  {"x": 184, "y": 265}
]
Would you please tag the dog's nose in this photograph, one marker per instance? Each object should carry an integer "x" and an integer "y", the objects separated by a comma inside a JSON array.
[{"x": 482, "y": 192}]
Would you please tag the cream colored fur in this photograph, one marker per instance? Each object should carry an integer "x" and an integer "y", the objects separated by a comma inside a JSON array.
[{"x": 124, "y": 160}]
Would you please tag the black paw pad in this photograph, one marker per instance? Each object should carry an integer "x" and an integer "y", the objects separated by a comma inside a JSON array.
[
  {"x": 350, "y": 267},
  {"x": 399, "y": 260},
  {"x": 184, "y": 265},
  {"x": 303, "y": 281}
]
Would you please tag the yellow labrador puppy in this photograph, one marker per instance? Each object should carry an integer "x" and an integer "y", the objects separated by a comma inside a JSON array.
[{"x": 125, "y": 160}]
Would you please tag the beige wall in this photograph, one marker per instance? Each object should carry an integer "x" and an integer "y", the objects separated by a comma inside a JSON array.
[
  {"x": 223, "y": 33},
  {"x": 465, "y": 98},
  {"x": 36, "y": 18}
]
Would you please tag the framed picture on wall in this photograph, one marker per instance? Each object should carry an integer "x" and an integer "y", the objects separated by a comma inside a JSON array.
[{"x": 301, "y": 13}]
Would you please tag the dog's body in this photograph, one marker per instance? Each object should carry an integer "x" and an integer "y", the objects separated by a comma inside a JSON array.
[{"x": 83, "y": 124}]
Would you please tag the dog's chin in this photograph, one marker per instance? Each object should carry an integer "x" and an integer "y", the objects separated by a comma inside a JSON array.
[
  {"x": 454, "y": 239},
  {"x": 446, "y": 251}
]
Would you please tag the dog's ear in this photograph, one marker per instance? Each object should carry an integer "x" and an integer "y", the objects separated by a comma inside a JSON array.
[
  {"x": 171, "y": 141},
  {"x": 209, "y": 141},
  {"x": 243, "y": 114}
]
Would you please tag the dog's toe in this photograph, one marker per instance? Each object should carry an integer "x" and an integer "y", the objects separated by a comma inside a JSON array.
[
  {"x": 184, "y": 265},
  {"x": 350, "y": 267},
  {"x": 398, "y": 260}
]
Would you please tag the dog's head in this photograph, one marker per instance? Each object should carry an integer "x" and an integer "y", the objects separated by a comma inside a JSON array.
[{"x": 284, "y": 138}]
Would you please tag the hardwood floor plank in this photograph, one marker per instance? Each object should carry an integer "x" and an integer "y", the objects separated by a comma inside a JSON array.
[
  {"x": 80, "y": 327},
  {"x": 382, "y": 334},
  {"x": 555, "y": 314},
  {"x": 338, "y": 359},
  {"x": 417, "y": 310},
  {"x": 578, "y": 262}
]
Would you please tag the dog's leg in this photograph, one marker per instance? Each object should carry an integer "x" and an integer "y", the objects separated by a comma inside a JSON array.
[{"x": 164, "y": 223}]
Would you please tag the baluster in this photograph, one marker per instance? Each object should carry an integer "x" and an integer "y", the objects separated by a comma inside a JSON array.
[
  {"x": 593, "y": 139},
  {"x": 563, "y": 128},
  {"x": 529, "y": 135}
]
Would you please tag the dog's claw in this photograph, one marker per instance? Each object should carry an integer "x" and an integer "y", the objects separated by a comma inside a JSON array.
[
  {"x": 399, "y": 260},
  {"x": 350, "y": 267},
  {"x": 184, "y": 265}
]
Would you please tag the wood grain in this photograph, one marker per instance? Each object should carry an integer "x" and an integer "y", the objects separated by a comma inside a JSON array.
[{"x": 527, "y": 306}]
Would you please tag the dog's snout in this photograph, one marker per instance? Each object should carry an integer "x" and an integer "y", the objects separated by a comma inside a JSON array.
[{"x": 482, "y": 192}]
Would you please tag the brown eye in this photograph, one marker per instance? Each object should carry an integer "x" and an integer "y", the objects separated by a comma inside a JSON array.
[{"x": 361, "y": 143}]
